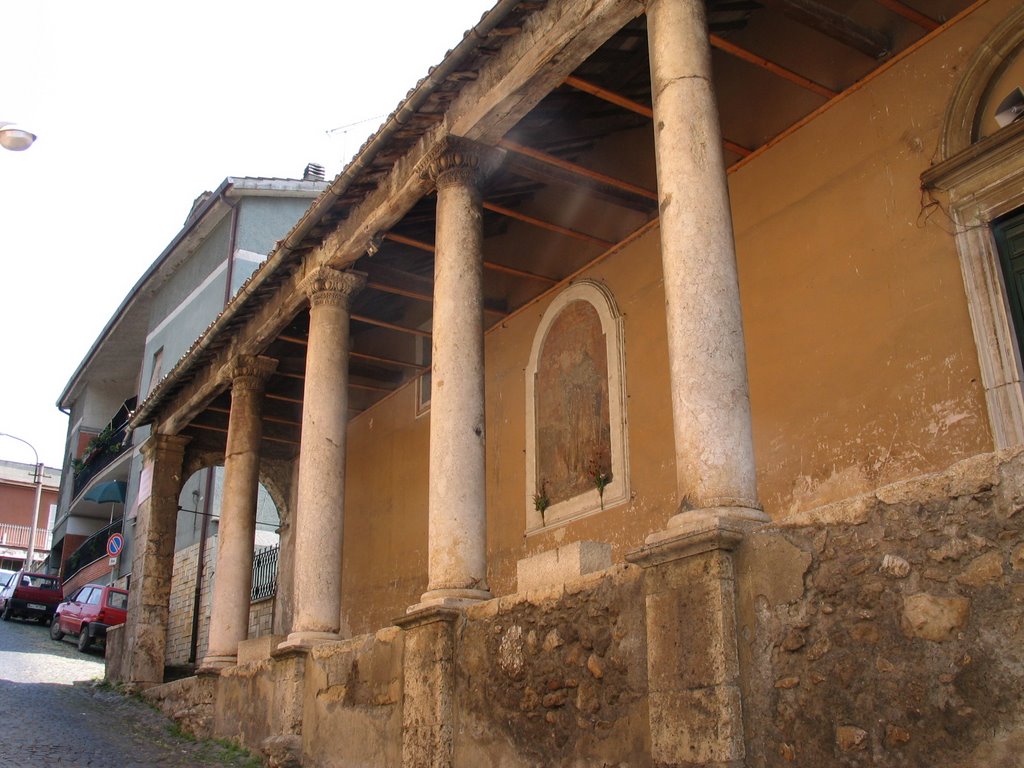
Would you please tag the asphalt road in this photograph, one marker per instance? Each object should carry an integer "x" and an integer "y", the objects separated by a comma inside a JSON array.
[{"x": 54, "y": 713}]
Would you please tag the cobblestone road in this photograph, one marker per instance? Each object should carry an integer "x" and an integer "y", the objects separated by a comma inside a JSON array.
[{"x": 47, "y": 721}]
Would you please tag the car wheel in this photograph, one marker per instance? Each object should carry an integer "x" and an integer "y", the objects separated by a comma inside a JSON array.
[
  {"x": 84, "y": 641},
  {"x": 7, "y": 612},
  {"x": 55, "y": 633}
]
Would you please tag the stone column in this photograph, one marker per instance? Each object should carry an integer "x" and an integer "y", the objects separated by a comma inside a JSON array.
[
  {"x": 321, "y": 484},
  {"x": 457, "y": 519},
  {"x": 153, "y": 559},
  {"x": 708, "y": 372},
  {"x": 229, "y": 614}
]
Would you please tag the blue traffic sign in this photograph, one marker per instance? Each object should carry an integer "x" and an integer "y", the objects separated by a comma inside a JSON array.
[{"x": 115, "y": 544}]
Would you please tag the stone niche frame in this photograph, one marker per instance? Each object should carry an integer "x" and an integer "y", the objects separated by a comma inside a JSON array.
[
  {"x": 985, "y": 180},
  {"x": 617, "y": 491}
]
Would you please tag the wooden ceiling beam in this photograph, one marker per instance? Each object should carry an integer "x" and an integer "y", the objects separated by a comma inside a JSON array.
[
  {"x": 528, "y": 168},
  {"x": 402, "y": 283},
  {"x": 634, "y": 106},
  {"x": 211, "y": 428},
  {"x": 487, "y": 264},
  {"x": 839, "y": 27},
  {"x": 357, "y": 355},
  {"x": 389, "y": 326},
  {"x": 546, "y": 225},
  {"x": 388, "y": 361},
  {"x": 776, "y": 69},
  {"x": 577, "y": 169},
  {"x": 908, "y": 13}
]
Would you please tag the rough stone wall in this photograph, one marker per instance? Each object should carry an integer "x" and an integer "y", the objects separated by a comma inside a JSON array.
[
  {"x": 887, "y": 629},
  {"x": 555, "y": 677}
]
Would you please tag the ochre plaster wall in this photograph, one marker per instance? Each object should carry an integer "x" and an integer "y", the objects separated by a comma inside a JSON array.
[
  {"x": 863, "y": 369},
  {"x": 862, "y": 364}
]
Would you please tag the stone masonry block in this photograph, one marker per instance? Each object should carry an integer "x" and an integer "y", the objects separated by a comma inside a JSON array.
[
  {"x": 557, "y": 566},
  {"x": 699, "y": 727}
]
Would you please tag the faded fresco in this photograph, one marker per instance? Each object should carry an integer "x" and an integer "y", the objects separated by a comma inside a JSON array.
[{"x": 573, "y": 425}]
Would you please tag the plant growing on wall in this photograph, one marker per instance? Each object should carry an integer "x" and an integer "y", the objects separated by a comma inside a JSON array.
[
  {"x": 107, "y": 441},
  {"x": 600, "y": 476},
  {"x": 541, "y": 501}
]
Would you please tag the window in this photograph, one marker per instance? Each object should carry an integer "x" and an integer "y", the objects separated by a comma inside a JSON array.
[
  {"x": 1009, "y": 236},
  {"x": 157, "y": 370},
  {"x": 576, "y": 459}
]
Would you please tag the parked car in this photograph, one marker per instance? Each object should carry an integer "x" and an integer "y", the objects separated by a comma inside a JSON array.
[
  {"x": 5, "y": 576},
  {"x": 88, "y": 614},
  {"x": 30, "y": 595}
]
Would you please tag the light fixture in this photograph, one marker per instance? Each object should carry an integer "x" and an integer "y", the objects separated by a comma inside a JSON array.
[{"x": 14, "y": 138}]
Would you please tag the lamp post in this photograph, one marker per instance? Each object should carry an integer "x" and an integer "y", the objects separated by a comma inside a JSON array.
[
  {"x": 16, "y": 139},
  {"x": 39, "y": 496}
]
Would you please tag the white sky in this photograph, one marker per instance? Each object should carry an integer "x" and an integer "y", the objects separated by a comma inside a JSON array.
[{"x": 139, "y": 107}]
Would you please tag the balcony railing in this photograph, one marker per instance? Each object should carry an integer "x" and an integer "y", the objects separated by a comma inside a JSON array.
[
  {"x": 264, "y": 573},
  {"x": 112, "y": 442},
  {"x": 17, "y": 536},
  {"x": 91, "y": 550}
]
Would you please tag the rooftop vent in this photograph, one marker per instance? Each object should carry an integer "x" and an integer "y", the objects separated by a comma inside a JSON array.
[{"x": 313, "y": 172}]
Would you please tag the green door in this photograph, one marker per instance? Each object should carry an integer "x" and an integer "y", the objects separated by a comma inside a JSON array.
[{"x": 1009, "y": 234}]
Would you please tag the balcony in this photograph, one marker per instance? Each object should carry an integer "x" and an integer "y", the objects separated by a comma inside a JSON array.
[
  {"x": 112, "y": 442},
  {"x": 92, "y": 551},
  {"x": 16, "y": 537}
]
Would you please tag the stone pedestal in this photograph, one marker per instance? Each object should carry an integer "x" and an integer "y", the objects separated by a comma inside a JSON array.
[
  {"x": 707, "y": 357},
  {"x": 145, "y": 637},
  {"x": 229, "y": 614},
  {"x": 321, "y": 482},
  {"x": 457, "y": 520},
  {"x": 428, "y": 711},
  {"x": 696, "y": 715}
]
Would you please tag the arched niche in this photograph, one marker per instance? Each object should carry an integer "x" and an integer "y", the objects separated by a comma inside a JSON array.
[{"x": 576, "y": 438}]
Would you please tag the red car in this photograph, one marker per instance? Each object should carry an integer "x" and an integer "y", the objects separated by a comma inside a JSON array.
[
  {"x": 88, "y": 613},
  {"x": 31, "y": 595}
]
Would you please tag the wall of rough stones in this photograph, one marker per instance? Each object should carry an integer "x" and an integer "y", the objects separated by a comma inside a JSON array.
[
  {"x": 555, "y": 677},
  {"x": 887, "y": 629}
]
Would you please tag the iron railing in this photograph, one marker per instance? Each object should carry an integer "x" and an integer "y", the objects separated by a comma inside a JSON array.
[
  {"x": 264, "y": 573},
  {"x": 110, "y": 443},
  {"x": 91, "y": 550}
]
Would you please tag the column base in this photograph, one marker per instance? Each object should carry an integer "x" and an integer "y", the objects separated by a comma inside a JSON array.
[
  {"x": 214, "y": 663},
  {"x": 450, "y": 598},
  {"x": 301, "y": 641},
  {"x": 699, "y": 530}
]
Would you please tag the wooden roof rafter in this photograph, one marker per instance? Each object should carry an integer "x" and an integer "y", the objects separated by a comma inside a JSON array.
[
  {"x": 634, "y": 106},
  {"x": 776, "y": 69}
]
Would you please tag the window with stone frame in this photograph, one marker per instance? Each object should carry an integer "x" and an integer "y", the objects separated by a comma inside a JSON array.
[{"x": 576, "y": 459}]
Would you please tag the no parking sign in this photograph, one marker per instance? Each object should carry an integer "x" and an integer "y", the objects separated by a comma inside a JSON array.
[{"x": 115, "y": 544}]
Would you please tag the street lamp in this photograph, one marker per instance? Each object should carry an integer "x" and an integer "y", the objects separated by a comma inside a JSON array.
[
  {"x": 39, "y": 495},
  {"x": 15, "y": 139}
]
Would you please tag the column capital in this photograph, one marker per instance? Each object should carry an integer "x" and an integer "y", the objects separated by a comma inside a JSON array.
[
  {"x": 329, "y": 286},
  {"x": 453, "y": 160},
  {"x": 159, "y": 443},
  {"x": 251, "y": 372}
]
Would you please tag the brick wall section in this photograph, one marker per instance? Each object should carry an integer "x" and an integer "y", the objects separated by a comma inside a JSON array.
[
  {"x": 95, "y": 571},
  {"x": 182, "y": 601},
  {"x": 183, "y": 590},
  {"x": 261, "y": 618}
]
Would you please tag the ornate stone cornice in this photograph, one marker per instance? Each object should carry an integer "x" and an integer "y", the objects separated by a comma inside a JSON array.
[
  {"x": 250, "y": 372},
  {"x": 328, "y": 286},
  {"x": 453, "y": 160}
]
